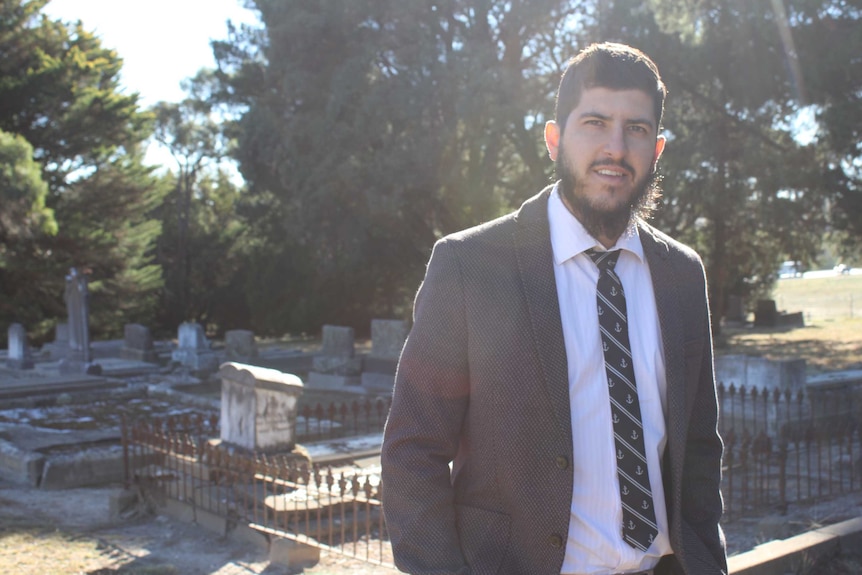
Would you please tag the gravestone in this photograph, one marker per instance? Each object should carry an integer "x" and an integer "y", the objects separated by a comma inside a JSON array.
[
  {"x": 18, "y": 356},
  {"x": 336, "y": 367},
  {"x": 59, "y": 348},
  {"x": 138, "y": 343},
  {"x": 258, "y": 407},
  {"x": 239, "y": 344},
  {"x": 193, "y": 349},
  {"x": 387, "y": 339},
  {"x": 79, "y": 358},
  {"x": 766, "y": 313}
]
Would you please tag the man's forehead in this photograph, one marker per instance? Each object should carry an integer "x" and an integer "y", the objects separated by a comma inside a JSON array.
[{"x": 629, "y": 104}]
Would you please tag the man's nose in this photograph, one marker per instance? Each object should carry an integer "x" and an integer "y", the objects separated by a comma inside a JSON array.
[{"x": 616, "y": 145}]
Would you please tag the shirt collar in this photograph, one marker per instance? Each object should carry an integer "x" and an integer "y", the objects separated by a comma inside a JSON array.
[{"x": 569, "y": 237}]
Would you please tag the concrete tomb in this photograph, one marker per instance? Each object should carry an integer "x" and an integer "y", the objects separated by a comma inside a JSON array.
[
  {"x": 258, "y": 407},
  {"x": 337, "y": 365},
  {"x": 80, "y": 357},
  {"x": 138, "y": 343},
  {"x": 19, "y": 356},
  {"x": 767, "y": 315},
  {"x": 387, "y": 339},
  {"x": 193, "y": 348},
  {"x": 240, "y": 344}
]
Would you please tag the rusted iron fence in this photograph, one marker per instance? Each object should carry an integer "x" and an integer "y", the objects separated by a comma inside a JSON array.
[
  {"x": 784, "y": 447},
  {"x": 337, "y": 509},
  {"x": 341, "y": 419},
  {"x": 781, "y": 448}
]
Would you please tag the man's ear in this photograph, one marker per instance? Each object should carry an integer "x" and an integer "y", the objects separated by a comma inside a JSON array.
[
  {"x": 659, "y": 148},
  {"x": 552, "y": 139}
]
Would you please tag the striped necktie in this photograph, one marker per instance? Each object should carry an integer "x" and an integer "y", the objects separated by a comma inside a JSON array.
[{"x": 639, "y": 525}]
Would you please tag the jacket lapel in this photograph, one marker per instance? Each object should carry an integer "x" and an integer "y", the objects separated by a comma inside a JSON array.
[
  {"x": 664, "y": 280},
  {"x": 536, "y": 268}
]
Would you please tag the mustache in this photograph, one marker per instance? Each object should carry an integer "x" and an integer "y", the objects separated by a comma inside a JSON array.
[{"x": 612, "y": 163}]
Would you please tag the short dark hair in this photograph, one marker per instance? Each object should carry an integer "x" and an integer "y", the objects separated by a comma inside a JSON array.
[{"x": 609, "y": 65}]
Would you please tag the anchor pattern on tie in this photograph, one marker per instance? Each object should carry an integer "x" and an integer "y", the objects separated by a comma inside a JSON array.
[{"x": 639, "y": 527}]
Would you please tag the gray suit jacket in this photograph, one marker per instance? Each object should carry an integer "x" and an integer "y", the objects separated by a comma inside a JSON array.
[{"x": 482, "y": 382}]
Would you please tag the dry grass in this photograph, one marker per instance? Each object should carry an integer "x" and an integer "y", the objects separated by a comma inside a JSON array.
[
  {"x": 832, "y": 337},
  {"x": 28, "y": 547}
]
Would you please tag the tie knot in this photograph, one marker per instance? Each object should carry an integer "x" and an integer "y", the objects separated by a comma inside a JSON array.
[{"x": 604, "y": 260}]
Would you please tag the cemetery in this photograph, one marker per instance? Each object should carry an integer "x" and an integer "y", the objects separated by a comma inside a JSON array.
[{"x": 277, "y": 443}]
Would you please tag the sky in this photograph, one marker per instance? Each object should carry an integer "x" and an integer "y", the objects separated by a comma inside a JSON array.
[{"x": 161, "y": 42}]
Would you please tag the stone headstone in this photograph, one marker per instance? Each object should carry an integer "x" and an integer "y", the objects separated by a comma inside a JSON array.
[
  {"x": 258, "y": 407},
  {"x": 18, "y": 356},
  {"x": 794, "y": 319},
  {"x": 59, "y": 348},
  {"x": 766, "y": 313},
  {"x": 240, "y": 344},
  {"x": 336, "y": 366},
  {"x": 337, "y": 354},
  {"x": 77, "y": 296},
  {"x": 338, "y": 341},
  {"x": 193, "y": 348},
  {"x": 387, "y": 339},
  {"x": 190, "y": 335},
  {"x": 138, "y": 343}
]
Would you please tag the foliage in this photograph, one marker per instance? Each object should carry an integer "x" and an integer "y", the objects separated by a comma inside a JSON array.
[
  {"x": 59, "y": 91},
  {"x": 366, "y": 130},
  {"x": 201, "y": 243},
  {"x": 739, "y": 185},
  {"x": 372, "y": 128}
]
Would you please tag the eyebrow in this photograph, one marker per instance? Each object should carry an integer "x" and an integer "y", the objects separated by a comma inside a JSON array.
[{"x": 631, "y": 122}]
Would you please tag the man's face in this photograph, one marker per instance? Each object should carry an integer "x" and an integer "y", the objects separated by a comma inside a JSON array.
[{"x": 606, "y": 157}]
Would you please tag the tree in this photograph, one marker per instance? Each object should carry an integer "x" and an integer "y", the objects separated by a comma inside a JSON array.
[
  {"x": 370, "y": 129},
  {"x": 23, "y": 219},
  {"x": 59, "y": 90},
  {"x": 738, "y": 185},
  {"x": 202, "y": 195}
]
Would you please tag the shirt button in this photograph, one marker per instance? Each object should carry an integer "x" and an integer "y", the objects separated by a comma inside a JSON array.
[
  {"x": 555, "y": 540},
  {"x": 562, "y": 462}
]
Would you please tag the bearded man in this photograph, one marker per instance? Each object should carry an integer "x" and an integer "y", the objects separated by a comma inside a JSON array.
[{"x": 555, "y": 410}]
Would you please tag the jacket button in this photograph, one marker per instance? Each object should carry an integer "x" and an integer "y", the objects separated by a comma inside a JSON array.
[
  {"x": 555, "y": 540},
  {"x": 562, "y": 462}
]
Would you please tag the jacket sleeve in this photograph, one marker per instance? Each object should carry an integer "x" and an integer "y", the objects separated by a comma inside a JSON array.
[{"x": 423, "y": 430}]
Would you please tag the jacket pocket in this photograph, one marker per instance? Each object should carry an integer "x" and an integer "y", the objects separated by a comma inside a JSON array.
[{"x": 484, "y": 538}]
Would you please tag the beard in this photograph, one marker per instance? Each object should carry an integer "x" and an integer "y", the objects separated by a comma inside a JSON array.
[{"x": 600, "y": 221}]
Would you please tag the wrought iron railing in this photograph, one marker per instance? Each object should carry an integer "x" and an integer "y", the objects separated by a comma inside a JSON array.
[
  {"x": 784, "y": 447},
  {"x": 781, "y": 448},
  {"x": 332, "y": 508}
]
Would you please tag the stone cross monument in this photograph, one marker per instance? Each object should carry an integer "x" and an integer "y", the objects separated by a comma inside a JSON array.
[{"x": 77, "y": 297}]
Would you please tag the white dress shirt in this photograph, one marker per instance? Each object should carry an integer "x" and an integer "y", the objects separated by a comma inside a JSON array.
[{"x": 595, "y": 545}]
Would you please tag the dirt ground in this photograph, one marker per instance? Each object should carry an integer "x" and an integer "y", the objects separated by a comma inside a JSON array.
[{"x": 70, "y": 532}]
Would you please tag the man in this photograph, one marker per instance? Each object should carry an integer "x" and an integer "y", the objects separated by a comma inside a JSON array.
[{"x": 511, "y": 373}]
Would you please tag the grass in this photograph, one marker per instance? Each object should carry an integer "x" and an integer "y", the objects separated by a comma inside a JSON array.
[{"x": 832, "y": 337}]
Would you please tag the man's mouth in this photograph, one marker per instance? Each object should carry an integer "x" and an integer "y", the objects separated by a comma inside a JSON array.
[{"x": 609, "y": 172}]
